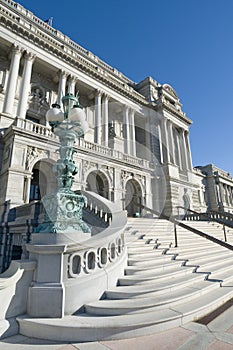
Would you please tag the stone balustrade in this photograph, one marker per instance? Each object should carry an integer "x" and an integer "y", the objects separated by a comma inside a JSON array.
[
  {"x": 35, "y": 128},
  {"x": 102, "y": 249},
  {"x": 43, "y": 130}
]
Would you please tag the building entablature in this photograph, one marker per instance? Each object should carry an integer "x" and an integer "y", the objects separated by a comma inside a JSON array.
[{"x": 36, "y": 32}]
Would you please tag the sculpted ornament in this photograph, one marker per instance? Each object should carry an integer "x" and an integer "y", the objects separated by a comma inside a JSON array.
[{"x": 32, "y": 154}]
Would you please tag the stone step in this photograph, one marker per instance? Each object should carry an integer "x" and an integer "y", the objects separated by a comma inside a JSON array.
[
  {"x": 141, "y": 303},
  {"x": 130, "y": 292},
  {"x": 80, "y": 328},
  {"x": 172, "y": 265},
  {"x": 162, "y": 282},
  {"x": 160, "y": 275}
]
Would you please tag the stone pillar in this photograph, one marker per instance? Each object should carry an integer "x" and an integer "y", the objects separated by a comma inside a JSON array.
[
  {"x": 166, "y": 153},
  {"x": 12, "y": 80},
  {"x": 98, "y": 117},
  {"x": 171, "y": 142},
  {"x": 61, "y": 87},
  {"x": 132, "y": 132},
  {"x": 160, "y": 143},
  {"x": 179, "y": 150},
  {"x": 105, "y": 120},
  {"x": 25, "y": 85},
  {"x": 126, "y": 129},
  {"x": 72, "y": 83},
  {"x": 184, "y": 150},
  {"x": 188, "y": 150},
  {"x": 27, "y": 185}
]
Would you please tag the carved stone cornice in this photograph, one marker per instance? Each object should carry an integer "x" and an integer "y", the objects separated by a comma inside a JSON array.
[{"x": 42, "y": 38}]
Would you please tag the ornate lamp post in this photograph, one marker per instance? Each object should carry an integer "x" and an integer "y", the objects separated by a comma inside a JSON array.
[{"x": 64, "y": 207}]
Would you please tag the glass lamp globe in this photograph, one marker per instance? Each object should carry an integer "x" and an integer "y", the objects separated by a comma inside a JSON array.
[
  {"x": 77, "y": 114},
  {"x": 54, "y": 114}
]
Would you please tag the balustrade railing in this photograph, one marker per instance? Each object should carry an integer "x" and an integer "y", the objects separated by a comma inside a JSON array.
[
  {"x": 104, "y": 248},
  {"x": 43, "y": 130},
  {"x": 38, "y": 129}
]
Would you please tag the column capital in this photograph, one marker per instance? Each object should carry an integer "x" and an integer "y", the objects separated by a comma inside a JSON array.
[
  {"x": 106, "y": 96},
  {"x": 73, "y": 78},
  {"x": 29, "y": 56},
  {"x": 98, "y": 93},
  {"x": 63, "y": 73},
  {"x": 132, "y": 110},
  {"x": 16, "y": 48}
]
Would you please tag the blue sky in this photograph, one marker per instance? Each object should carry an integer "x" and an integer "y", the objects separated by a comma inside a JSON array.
[{"x": 186, "y": 43}]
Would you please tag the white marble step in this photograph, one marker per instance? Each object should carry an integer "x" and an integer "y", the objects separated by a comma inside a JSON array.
[
  {"x": 170, "y": 266},
  {"x": 129, "y": 292},
  {"x": 139, "y": 304},
  {"x": 142, "y": 277},
  {"x": 78, "y": 328},
  {"x": 161, "y": 282}
]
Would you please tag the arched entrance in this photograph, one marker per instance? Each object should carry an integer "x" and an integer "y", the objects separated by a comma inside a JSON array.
[
  {"x": 97, "y": 182},
  {"x": 43, "y": 180},
  {"x": 133, "y": 194}
]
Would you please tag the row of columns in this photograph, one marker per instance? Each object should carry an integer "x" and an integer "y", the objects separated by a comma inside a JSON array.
[
  {"x": 102, "y": 123},
  {"x": 17, "y": 54},
  {"x": 101, "y": 99},
  {"x": 174, "y": 145},
  {"x": 225, "y": 194}
]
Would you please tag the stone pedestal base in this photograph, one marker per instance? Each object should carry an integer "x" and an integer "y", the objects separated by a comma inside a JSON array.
[{"x": 46, "y": 295}]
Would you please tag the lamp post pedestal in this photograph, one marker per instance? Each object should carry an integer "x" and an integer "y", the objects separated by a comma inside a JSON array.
[
  {"x": 62, "y": 225},
  {"x": 64, "y": 207}
]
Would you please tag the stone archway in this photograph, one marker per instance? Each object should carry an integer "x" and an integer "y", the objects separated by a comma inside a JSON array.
[
  {"x": 43, "y": 180},
  {"x": 97, "y": 182},
  {"x": 133, "y": 193}
]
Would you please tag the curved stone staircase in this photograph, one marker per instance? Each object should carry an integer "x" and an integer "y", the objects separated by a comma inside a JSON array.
[{"x": 163, "y": 286}]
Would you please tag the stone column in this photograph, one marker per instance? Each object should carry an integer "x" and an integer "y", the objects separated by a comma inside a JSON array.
[
  {"x": 160, "y": 143},
  {"x": 184, "y": 150},
  {"x": 132, "y": 132},
  {"x": 62, "y": 87},
  {"x": 25, "y": 85},
  {"x": 27, "y": 185},
  {"x": 126, "y": 129},
  {"x": 98, "y": 117},
  {"x": 171, "y": 142},
  {"x": 188, "y": 150},
  {"x": 105, "y": 120},
  {"x": 12, "y": 80},
  {"x": 166, "y": 152},
  {"x": 72, "y": 83},
  {"x": 179, "y": 150}
]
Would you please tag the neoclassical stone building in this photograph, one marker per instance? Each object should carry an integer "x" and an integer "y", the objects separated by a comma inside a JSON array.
[{"x": 137, "y": 145}]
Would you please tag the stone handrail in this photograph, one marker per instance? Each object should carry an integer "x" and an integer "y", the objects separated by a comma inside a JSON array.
[
  {"x": 112, "y": 153},
  {"x": 88, "y": 267},
  {"x": 43, "y": 130},
  {"x": 103, "y": 248},
  {"x": 219, "y": 217}
]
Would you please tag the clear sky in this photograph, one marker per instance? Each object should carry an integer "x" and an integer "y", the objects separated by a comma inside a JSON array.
[{"x": 186, "y": 43}]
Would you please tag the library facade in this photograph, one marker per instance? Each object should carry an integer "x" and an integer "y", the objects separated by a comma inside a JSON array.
[{"x": 137, "y": 146}]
